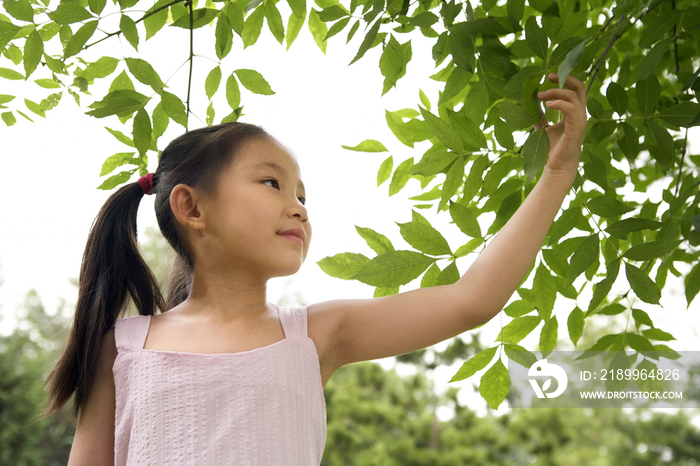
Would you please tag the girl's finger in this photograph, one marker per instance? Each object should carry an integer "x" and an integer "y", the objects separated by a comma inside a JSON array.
[
  {"x": 573, "y": 83},
  {"x": 560, "y": 94}
]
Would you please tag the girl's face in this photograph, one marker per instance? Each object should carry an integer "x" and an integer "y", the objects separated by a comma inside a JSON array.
[{"x": 258, "y": 197}]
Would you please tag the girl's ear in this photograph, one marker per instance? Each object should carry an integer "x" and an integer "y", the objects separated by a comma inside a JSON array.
[{"x": 186, "y": 205}]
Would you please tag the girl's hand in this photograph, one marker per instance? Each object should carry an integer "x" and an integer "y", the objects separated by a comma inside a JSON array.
[{"x": 565, "y": 137}]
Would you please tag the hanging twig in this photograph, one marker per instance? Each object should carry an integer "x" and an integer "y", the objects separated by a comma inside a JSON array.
[{"x": 189, "y": 80}]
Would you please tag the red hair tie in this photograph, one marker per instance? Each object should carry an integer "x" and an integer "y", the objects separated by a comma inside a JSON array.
[{"x": 146, "y": 183}]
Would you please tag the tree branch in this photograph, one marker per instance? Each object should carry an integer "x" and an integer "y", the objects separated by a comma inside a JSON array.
[{"x": 150, "y": 13}]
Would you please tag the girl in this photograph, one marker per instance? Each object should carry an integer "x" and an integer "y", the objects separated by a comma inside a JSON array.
[{"x": 224, "y": 377}]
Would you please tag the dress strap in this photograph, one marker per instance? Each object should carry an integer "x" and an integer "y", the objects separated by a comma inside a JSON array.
[
  {"x": 130, "y": 333},
  {"x": 294, "y": 321}
]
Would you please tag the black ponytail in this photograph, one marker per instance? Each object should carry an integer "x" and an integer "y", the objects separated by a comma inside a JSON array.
[{"x": 113, "y": 268}]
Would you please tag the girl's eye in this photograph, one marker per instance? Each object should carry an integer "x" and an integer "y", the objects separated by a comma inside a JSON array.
[{"x": 301, "y": 199}]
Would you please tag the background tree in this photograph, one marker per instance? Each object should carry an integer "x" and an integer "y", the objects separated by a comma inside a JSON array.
[{"x": 639, "y": 59}]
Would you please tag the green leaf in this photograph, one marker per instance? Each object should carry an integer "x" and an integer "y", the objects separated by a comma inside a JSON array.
[
  {"x": 548, "y": 336},
  {"x": 443, "y": 131},
  {"x": 424, "y": 238},
  {"x": 118, "y": 103},
  {"x": 448, "y": 276},
  {"x": 408, "y": 132},
  {"x": 584, "y": 256},
  {"x": 544, "y": 292},
  {"x": 659, "y": 27},
  {"x": 602, "y": 288},
  {"x": 516, "y": 117},
  {"x": 401, "y": 177},
  {"x": 495, "y": 384},
  {"x": 624, "y": 227},
  {"x": 393, "y": 61},
  {"x": 520, "y": 355},
  {"x": 142, "y": 131},
  {"x": 144, "y": 72},
  {"x": 254, "y": 81},
  {"x": 116, "y": 180},
  {"x": 336, "y": 28},
  {"x": 368, "y": 145},
  {"x": 156, "y": 21},
  {"x": 657, "y": 334},
  {"x": 453, "y": 181},
  {"x": 160, "y": 121},
  {"x": 19, "y": 9},
  {"x": 569, "y": 63},
  {"x": 332, "y": 13},
  {"x": 294, "y": 26},
  {"x": 617, "y": 97},
  {"x": 235, "y": 15},
  {"x": 96, "y": 6},
  {"x": 518, "y": 308},
  {"x": 121, "y": 137},
  {"x": 641, "y": 318},
  {"x": 465, "y": 220},
  {"x": 535, "y": 152},
  {"x": 393, "y": 268},
  {"x": 638, "y": 342},
  {"x": 651, "y": 250},
  {"x": 252, "y": 27},
  {"x": 605, "y": 206},
  {"x": 121, "y": 82},
  {"x": 629, "y": 142},
  {"x": 648, "y": 92},
  {"x": 69, "y": 13},
  {"x": 469, "y": 131},
  {"x": 650, "y": 62},
  {"x": 575, "y": 325},
  {"x": 200, "y": 17},
  {"x": 692, "y": 284},
  {"x": 536, "y": 38},
  {"x": 385, "y": 169},
  {"x": 115, "y": 161},
  {"x": 274, "y": 20},
  {"x": 493, "y": 178},
  {"x": 643, "y": 286},
  {"x": 77, "y": 42},
  {"x": 474, "y": 364},
  {"x": 368, "y": 41},
  {"x": 378, "y": 242},
  {"x": 518, "y": 329},
  {"x": 33, "y": 50},
  {"x": 682, "y": 114},
  {"x": 344, "y": 265},
  {"x": 224, "y": 37},
  {"x": 7, "y": 32},
  {"x": 8, "y": 118},
  {"x": 298, "y": 7},
  {"x": 562, "y": 50},
  {"x": 174, "y": 108},
  {"x": 211, "y": 84},
  {"x": 233, "y": 92},
  {"x": 318, "y": 30},
  {"x": 128, "y": 28},
  {"x": 503, "y": 135},
  {"x": 102, "y": 68}
]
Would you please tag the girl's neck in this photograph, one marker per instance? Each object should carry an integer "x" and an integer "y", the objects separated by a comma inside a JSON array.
[{"x": 225, "y": 299}]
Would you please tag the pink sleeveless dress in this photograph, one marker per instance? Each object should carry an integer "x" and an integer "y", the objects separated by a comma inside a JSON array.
[{"x": 254, "y": 408}]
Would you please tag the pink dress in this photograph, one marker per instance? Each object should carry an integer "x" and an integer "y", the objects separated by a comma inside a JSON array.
[{"x": 254, "y": 408}]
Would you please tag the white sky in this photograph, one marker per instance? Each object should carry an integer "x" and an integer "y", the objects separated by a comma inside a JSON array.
[{"x": 49, "y": 170}]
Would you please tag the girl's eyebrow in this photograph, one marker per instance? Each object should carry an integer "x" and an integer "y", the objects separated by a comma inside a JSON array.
[{"x": 274, "y": 166}]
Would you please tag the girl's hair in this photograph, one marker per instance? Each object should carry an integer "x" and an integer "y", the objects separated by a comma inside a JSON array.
[{"x": 112, "y": 265}]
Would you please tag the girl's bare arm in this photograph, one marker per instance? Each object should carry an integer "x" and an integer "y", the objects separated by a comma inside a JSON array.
[
  {"x": 353, "y": 330},
  {"x": 94, "y": 438}
]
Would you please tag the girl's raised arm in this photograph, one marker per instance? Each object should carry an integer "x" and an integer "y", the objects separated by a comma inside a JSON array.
[
  {"x": 347, "y": 331},
  {"x": 94, "y": 438}
]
